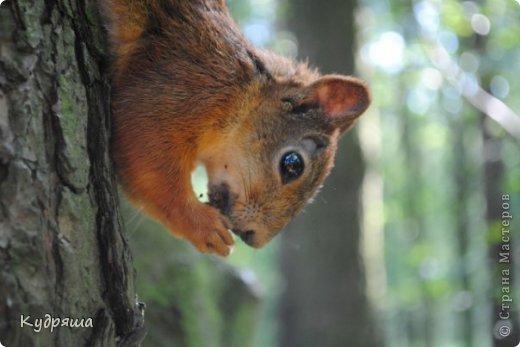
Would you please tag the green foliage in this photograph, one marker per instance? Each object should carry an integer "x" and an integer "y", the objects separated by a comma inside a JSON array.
[{"x": 418, "y": 57}]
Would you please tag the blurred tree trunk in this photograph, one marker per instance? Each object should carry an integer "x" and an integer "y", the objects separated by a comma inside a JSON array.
[
  {"x": 420, "y": 320},
  {"x": 505, "y": 321},
  {"x": 324, "y": 302},
  {"x": 462, "y": 195},
  {"x": 62, "y": 249}
]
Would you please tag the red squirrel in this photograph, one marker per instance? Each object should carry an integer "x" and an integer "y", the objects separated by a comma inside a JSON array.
[{"x": 189, "y": 89}]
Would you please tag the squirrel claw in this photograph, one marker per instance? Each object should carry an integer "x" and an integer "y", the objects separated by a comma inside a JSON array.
[
  {"x": 213, "y": 236},
  {"x": 216, "y": 245}
]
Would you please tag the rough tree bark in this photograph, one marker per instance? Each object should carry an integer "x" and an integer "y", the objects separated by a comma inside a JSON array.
[
  {"x": 62, "y": 251},
  {"x": 324, "y": 302}
]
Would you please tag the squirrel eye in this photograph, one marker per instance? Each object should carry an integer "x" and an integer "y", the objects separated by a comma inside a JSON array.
[{"x": 291, "y": 166}]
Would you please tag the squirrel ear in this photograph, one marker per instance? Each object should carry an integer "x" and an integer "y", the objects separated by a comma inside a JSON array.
[{"x": 342, "y": 98}]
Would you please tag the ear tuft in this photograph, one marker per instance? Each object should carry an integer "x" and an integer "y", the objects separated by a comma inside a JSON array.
[{"x": 342, "y": 98}]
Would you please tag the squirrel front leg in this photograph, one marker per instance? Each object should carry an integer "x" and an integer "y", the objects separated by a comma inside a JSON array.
[{"x": 170, "y": 198}]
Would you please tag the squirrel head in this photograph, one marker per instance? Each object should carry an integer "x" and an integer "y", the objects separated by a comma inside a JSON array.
[
  {"x": 187, "y": 87},
  {"x": 277, "y": 156}
]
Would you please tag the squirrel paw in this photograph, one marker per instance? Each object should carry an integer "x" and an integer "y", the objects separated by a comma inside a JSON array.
[{"x": 211, "y": 234}]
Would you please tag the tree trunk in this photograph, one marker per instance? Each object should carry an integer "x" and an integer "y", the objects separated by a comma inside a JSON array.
[
  {"x": 463, "y": 231},
  {"x": 324, "y": 302},
  {"x": 504, "y": 319},
  {"x": 62, "y": 250}
]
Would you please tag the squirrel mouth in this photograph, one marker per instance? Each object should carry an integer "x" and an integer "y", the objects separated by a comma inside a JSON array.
[
  {"x": 221, "y": 197},
  {"x": 247, "y": 236}
]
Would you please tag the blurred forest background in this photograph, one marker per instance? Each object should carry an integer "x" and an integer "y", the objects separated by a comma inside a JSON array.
[{"x": 401, "y": 248}]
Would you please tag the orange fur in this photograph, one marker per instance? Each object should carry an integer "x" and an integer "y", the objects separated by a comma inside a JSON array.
[{"x": 188, "y": 88}]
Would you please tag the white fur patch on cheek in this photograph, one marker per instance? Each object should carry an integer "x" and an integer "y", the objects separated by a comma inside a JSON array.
[{"x": 199, "y": 183}]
